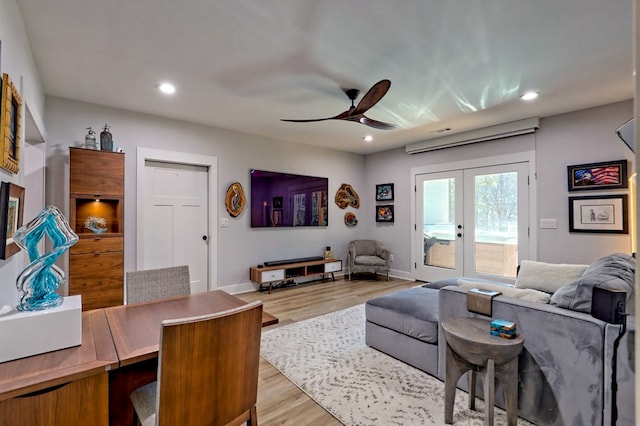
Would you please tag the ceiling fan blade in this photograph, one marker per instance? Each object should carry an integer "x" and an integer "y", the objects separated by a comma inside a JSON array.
[
  {"x": 341, "y": 116},
  {"x": 376, "y": 124},
  {"x": 306, "y": 121},
  {"x": 372, "y": 97}
]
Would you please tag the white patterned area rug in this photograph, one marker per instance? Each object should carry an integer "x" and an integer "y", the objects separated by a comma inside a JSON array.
[{"x": 328, "y": 359}]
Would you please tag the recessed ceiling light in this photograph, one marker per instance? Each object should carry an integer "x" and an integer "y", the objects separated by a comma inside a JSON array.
[
  {"x": 167, "y": 88},
  {"x": 529, "y": 96},
  {"x": 368, "y": 138}
]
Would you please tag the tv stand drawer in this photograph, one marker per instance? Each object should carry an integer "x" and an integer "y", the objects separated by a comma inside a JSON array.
[
  {"x": 333, "y": 266},
  {"x": 271, "y": 275}
]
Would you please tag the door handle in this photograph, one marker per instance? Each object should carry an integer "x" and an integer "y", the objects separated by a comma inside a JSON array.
[
  {"x": 204, "y": 238},
  {"x": 459, "y": 234}
]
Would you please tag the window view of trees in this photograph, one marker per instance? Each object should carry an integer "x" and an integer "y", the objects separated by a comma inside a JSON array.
[{"x": 496, "y": 205}]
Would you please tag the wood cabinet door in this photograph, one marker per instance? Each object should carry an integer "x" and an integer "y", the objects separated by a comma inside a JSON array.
[
  {"x": 98, "y": 277},
  {"x": 79, "y": 402},
  {"x": 97, "y": 244},
  {"x": 96, "y": 172}
]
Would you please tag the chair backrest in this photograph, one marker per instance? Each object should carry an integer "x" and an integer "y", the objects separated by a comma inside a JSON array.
[
  {"x": 208, "y": 368},
  {"x": 364, "y": 247},
  {"x": 153, "y": 284}
]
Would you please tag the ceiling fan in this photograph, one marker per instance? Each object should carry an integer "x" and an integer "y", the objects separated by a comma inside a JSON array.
[{"x": 356, "y": 113}]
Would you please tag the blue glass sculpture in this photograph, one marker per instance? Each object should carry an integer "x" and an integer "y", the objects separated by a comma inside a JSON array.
[{"x": 38, "y": 282}]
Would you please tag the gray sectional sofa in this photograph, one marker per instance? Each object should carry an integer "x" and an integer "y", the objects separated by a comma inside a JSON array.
[{"x": 565, "y": 369}]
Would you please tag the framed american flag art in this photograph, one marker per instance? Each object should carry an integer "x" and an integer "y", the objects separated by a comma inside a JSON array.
[{"x": 606, "y": 175}]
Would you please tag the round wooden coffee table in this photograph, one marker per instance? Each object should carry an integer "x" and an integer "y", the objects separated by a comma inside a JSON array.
[{"x": 470, "y": 347}]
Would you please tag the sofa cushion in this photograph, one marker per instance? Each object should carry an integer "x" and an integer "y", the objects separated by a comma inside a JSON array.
[
  {"x": 452, "y": 281},
  {"x": 615, "y": 272},
  {"x": 370, "y": 260},
  {"x": 413, "y": 312},
  {"x": 509, "y": 290},
  {"x": 547, "y": 277}
]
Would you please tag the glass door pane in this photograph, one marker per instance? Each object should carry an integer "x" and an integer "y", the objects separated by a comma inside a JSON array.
[
  {"x": 439, "y": 228},
  {"x": 496, "y": 224},
  {"x": 439, "y": 217}
]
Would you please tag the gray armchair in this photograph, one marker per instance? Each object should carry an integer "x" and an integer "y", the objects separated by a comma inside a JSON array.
[{"x": 368, "y": 256}]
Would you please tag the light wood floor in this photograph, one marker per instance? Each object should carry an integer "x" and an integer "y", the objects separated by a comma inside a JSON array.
[{"x": 279, "y": 401}]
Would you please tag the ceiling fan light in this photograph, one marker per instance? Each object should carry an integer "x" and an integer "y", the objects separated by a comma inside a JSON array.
[
  {"x": 167, "y": 88},
  {"x": 529, "y": 96}
]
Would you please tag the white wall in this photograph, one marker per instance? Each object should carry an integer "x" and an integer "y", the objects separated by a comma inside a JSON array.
[
  {"x": 586, "y": 136},
  {"x": 575, "y": 138},
  {"x": 239, "y": 245},
  {"x": 17, "y": 61}
]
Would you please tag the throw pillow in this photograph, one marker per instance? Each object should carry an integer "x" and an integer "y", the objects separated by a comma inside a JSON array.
[
  {"x": 509, "y": 291},
  {"x": 547, "y": 277},
  {"x": 615, "y": 272}
]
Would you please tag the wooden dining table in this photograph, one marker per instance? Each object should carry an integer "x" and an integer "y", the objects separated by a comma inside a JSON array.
[
  {"x": 91, "y": 383},
  {"x": 67, "y": 386},
  {"x": 136, "y": 335}
]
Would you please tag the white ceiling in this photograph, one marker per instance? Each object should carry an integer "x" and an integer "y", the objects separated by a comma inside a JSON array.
[{"x": 245, "y": 64}]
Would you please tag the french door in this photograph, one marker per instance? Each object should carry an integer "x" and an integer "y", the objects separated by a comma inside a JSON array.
[{"x": 472, "y": 222}]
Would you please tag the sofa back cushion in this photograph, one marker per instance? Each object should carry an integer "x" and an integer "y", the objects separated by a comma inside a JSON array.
[
  {"x": 615, "y": 272},
  {"x": 508, "y": 290},
  {"x": 547, "y": 277}
]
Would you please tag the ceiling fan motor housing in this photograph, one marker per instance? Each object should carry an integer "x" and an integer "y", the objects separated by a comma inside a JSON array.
[{"x": 352, "y": 94}]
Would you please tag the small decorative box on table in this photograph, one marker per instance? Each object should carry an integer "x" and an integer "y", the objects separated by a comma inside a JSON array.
[{"x": 503, "y": 328}]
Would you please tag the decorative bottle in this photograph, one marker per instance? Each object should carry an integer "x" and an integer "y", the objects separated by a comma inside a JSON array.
[
  {"x": 328, "y": 254},
  {"x": 106, "y": 140},
  {"x": 90, "y": 139}
]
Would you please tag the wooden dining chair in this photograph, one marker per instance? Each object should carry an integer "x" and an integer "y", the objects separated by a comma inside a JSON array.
[
  {"x": 207, "y": 371},
  {"x": 153, "y": 284}
]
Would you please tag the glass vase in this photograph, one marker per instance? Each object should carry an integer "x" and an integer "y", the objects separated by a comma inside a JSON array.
[{"x": 38, "y": 282}]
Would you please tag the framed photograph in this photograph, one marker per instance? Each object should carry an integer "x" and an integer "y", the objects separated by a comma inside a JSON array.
[
  {"x": 10, "y": 125},
  {"x": 384, "y": 213},
  {"x": 11, "y": 211},
  {"x": 607, "y": 175},
  {"x": 384, "y": 192},
  {"x": 602, "y": 214}
]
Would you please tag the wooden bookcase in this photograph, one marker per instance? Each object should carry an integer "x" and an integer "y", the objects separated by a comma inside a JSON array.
[{"x": 96, "y": 262}]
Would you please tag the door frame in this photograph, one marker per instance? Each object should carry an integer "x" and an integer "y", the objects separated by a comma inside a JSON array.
[
  {"x": 520, "y": 157},
  {"x": 174, "y": 157}
]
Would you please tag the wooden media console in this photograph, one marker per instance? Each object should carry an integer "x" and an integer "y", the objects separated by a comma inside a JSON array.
[{"x": 267, "y": 276}]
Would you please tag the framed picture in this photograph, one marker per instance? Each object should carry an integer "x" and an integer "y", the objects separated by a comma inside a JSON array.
[
  {"x": 277, "y": 202},
  {"x": 10, "y": 125},
  {"x": 384, "y": 213},
  {"x": 602, "y": 214},
  {"x": 11, "y": 211},
  {"x": 384, "y": 192},
  {"x": 607, "y": 175}
]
